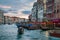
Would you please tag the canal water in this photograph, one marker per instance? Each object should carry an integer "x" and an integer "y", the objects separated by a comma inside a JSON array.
[{"x": 10, "y": 32}]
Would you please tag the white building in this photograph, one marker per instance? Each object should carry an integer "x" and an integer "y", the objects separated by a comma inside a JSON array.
[
  {"x": 21, "y": 20},
  {"x": 40, "y": 12},
  {"x": 37, "y": 12},
  {"x": 26, "y": 20},
  {"x": 34, "y": 12},
  {"x": 8, "y": 20}
]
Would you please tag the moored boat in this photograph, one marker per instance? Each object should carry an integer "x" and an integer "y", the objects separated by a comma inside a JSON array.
[{"x": 55, "y": 33}]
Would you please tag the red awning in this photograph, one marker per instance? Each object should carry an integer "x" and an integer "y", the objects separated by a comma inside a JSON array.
[{"x": 56, "y": 20}]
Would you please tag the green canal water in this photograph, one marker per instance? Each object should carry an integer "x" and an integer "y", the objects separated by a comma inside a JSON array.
[{"x": 10, "y": 32}]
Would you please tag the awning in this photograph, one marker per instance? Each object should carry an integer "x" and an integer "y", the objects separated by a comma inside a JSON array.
[{"x": 56, "y": 20}]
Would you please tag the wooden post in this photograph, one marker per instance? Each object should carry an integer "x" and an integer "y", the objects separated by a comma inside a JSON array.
[{"x": 54, "y": 25}]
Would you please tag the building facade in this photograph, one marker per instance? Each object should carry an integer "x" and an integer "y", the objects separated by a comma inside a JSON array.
[
  {"x": 34, "y": 16},
  {"x": 8, "y": 20},
  {"x": 45, "y": 10},
  {"x": 1, "y": 17},
  {"x": 30, "y": 16},
  {"x": 13, "y": 20},
  {"x": 57, "y": 9},
  {"x": 52, "y": 9},
  {"x": 48, "y": 9},
  {"x": 40, "y": 10},
  {"x": 21, "y": 20},
  {"x": 37, "y": 11}
]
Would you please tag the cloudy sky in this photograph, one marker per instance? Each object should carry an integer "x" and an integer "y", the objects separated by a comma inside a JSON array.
[{"x": 20, "y": 8}]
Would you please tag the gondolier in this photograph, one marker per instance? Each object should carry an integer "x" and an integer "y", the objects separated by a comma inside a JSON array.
[{"x": 20, "y": 28}]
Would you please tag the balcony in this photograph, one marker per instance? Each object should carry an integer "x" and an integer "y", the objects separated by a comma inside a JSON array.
[
  {"x": 50, "y": 3},
  {"x": 49, "y": 11}
]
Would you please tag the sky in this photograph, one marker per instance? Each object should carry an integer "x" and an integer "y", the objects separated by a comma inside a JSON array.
[{"x": 19, "y": 8}]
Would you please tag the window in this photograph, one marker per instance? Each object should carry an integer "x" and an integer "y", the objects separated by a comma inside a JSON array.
[
  {"x": 54, "y": 11},
  {"x": 58, "y": 11}
]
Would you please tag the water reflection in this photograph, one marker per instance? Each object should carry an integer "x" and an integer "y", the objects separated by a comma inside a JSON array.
[
  {"x": 54, "y": 38},
  {"x": 9, "y": 32},
  {"x": 19, "y": 36}
]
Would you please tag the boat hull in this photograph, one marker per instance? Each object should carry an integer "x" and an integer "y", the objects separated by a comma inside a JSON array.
[{"x": 55, "y": 34}]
